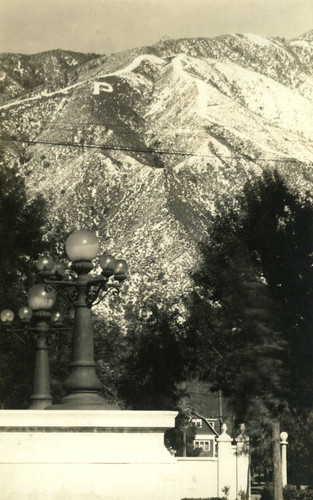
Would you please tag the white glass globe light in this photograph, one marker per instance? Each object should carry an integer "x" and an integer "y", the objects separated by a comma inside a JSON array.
[
  {"x": 56, "y": 317},
  {"x": 7, "y": 316},
  {"x": 44, "y": 263},
  {"x": 39, "y": 298},
  {"x": 121, "y": 266},
  {"x": 107, "y": 262},
  {"x": 82, "y": 245},
  {"x": 25, "y": 313}
]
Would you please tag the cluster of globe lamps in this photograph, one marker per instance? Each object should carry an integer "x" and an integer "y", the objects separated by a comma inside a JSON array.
[{"x": 81, "y": 292}]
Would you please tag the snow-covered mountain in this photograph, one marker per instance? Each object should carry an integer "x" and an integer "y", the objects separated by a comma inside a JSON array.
[{"x": 143, "y": 145}]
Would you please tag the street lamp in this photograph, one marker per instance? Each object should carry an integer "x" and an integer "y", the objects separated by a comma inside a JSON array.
[
  {"x": 41, "y": 301},
  {"x": 79, "y": 293},
  {"x": 82, "y": 246},
  {"x": 37, "y": 318}
]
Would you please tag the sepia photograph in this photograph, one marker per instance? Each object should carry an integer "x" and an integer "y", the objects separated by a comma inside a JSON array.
[{"x": 156, "y": 250}]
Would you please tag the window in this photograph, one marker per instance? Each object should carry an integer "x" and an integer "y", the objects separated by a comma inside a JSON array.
[
  {"x": 212, "y": 424},
  {"x": 205, "y": 445},
  {"x": 197, "y": 422}
]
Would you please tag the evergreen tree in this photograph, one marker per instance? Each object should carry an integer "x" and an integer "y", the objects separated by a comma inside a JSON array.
[{"x": 250, "y": 325}]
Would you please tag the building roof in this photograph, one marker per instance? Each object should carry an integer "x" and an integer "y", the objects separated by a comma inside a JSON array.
[
  {"x": 208, "y": 404},
  {"x": 206, "y": 426}
]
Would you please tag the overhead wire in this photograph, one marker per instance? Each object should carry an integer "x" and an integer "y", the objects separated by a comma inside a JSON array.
[{"x": 149, "y": 150}]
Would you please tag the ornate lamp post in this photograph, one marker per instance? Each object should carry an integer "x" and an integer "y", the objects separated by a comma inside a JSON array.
[
  {"x": 83, "y": 385},
  {"x": 81, "y": 291},
  {"x": 41, "y": 302},
  {"x": 36, "y": 318}
]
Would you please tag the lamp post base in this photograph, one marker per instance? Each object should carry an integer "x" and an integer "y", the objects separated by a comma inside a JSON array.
[
  {"x": 39, "y": 402},
  {"x": 84, "y": 401}
]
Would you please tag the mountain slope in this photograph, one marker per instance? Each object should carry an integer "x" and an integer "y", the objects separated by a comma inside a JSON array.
[
  {"x": 143, "y": 146},
  {"x": 21, "y": 74}
]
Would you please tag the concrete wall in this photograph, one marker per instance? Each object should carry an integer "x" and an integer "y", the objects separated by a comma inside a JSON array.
[
  {"x": 108, "y": 455},
  {"x": 197, "y": 477},
  {"x": 204, "y": 477},
  {"x": 243, "y": 466},
  {"x": 84, "y": 455}
]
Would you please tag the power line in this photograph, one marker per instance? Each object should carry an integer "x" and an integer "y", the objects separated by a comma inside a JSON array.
[
  {"x": 154, "y": 151},
  {"x": 105, "y": 147},
  {"x": 173, "y": 131}
]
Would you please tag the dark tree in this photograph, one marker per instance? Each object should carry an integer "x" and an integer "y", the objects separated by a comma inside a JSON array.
[
  {"x": 20, "y": 243},
  {"x": 181, "y": 437},
  {"x": 251, "y": 319},
  {"x": 153, "y": 364}
]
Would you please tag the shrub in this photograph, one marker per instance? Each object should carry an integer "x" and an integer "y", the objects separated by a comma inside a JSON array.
[
  {"x": 210, "y": 498},
  {"x": 267, "y": 492},
  {"x": 289, "y": 493},
  {"x": 306, "y": 494},
  {"x": 242, "y": 495}
]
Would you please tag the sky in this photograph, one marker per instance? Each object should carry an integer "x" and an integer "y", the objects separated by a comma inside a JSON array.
[{"x": 105, "y": 26}]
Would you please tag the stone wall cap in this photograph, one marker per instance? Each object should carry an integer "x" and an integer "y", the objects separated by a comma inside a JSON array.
[
  {"x": 87, "y": 418},
  {"x": 196, "y": 459}
]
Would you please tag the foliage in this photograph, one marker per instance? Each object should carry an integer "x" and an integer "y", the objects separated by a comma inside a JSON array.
[
  {"x": 232, "y": 337},
  {"x": 267, "y": 492},
  {"x": 251, "y": 313},
  {"x": 300, "y": 445},
  {"x": 140, "y": 368},
  {"x": 174, "y": 437},
  {"x": 16, "y": 362},
  {"x": 154, "y": 363},
  {"x": 112, "y": 349},
  {"x": 20, "y": 235},
  {"x": 226, "y": 490},
  {"x": 289, "y": 493},
  {"x": 209, "y": 498},
  {"x": 20, "y": 242},
  {"x": 59, "y": 345},
  {"x": 242, "y": 495}
]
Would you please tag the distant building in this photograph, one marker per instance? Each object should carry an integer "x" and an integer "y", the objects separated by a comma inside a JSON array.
[
  {"x": 205, "y": 437},
  {"x": 212, "y": 406}
]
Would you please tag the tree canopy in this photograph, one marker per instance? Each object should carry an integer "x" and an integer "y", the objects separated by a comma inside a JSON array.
[
  {"x": 148, "y": 362},
  {"x": 251, "y": 312},
  {"x": 20, "y": 242}
]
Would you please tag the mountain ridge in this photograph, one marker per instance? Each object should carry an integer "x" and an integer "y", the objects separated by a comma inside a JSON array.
[
  {"x": 144, "y": 146},
  {"x": 218, "y": 46}
]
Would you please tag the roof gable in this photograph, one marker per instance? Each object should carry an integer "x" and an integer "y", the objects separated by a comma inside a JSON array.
[{"x": 206, "y": 427}]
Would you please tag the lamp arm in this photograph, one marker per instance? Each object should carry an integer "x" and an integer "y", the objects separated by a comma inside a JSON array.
[
  {"x": 16, "y": 332},
  {"x": 57, "y": 283},
  {"x": 98, "y": 280},
  {"x": 61, "y": 329},
  {"x": 94, "y": 288},
  {"x": 69, "y": 296}
]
